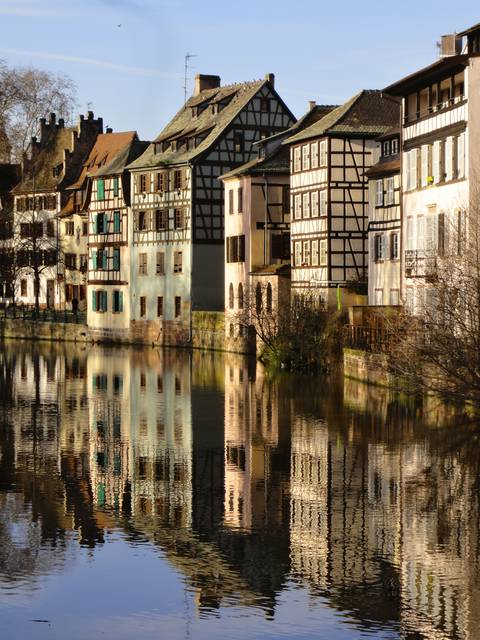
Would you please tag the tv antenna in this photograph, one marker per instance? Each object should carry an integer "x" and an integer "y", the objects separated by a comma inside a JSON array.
[{"x": 188, "y": 57}]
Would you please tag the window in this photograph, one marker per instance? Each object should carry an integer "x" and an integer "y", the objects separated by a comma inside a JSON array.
[
  {"x": 23, "y": 287},
  {"x": 380, "y": 241},
  {"x": 460, "y": 156},
  {"x": 441, "y": 235},
  {"x": 142, "y": 264},
  {"x": 315, "y": 253},
  {"x": 238, "y": 141},
  {"x": 323, "y": 153},
  {"x": 159, "y": 306},
  {"x": 280, "y": 246},
  {"x": 100, "y": 223},
  {"x": 323, "y": 202},
  {"x": 160, "y": 269},
  {"x": 100, "y": 189},
  {"x": 99, "y": 301},
  {"x": 409, "y": 298},
  {"x": 420, "y": 233},
  {"x": 71, "y": 261},
  {"x": 297, "y": 207},
  {"x": 264, "y": 105},
  {"x": 178, "y": 219},
  {"x": 84, "y": 229},
  {"x": 83, "y": 262},
  {"x": 230, "y": 201},
  {"x": 323, "y": 253},
  {"x": 286, "y": 199},
  {"x": 231, "y": 297},
  {"x": 449, "y": 158},
  {"x": 394, "y": 249},
  {"x": 306, "y": 157},
  {"x": 315, "y": 204},
  {"x": 425, "y": 155},
  {"x": 178, "y": 306},
  {"x": 306, "y": 253},
  {"x": 409, "y": 233},
  {"x": 235, "y": 248},
  {"x": 143, "y": 306},
  {"x": 240, "y": 296},
  {"x": 314, "y": 155},
  {"x": 395, "y": 146},
  {"x": 178, "y": 179},
  {"x": 386, "y": 148},
  {"x": 258, "y": 299},
  {"x": 115, "y": 187},
  {"x": 161, "y": 219},
  {"x": 69, "y": 228},
  {"x": 298, "y": 254},
  {"x": 411, "y": 169},
  {"x": 379, "y": 297},
  {"x": 306, "y": 205},
  {"x": 379, "y": 193},
  {"x": 240, "y": 200},
  {"x": 394, "y": 297},
  {"x": 117, "y": 222},
  {"x": 390, "y": 193},
  {"x": 297, "y": 159},
  {"x": 177, "y": 261},
  {"x": 117, "y": 301},
  {"x": 51, "y": 228},
  {"x": 116, "y": 258},
  {"x": 142, "y": 182},
  {"x": 99, "y": 259},
  {"x": 162, "y": 181},
  {"x": 141, "y": 221}
]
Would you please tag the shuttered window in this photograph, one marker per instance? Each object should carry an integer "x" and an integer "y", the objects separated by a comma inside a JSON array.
[
  {"x": 116, "y": 259},
  {"x": 115, "y": 186},
  {"x": 100, "y": 189},
  {"x": 117, "y": 301},
  {"x": 116, "y": 222}
]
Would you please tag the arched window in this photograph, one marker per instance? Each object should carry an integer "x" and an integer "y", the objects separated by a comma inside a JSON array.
[
  {"x": 240, "y": 296},
  {"x": 258, "y": 298},
  {"x": 231, "y": 301},
  {"x": 269, "y": 298}
]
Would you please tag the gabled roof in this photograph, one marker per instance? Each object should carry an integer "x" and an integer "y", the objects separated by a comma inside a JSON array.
[
  {"x": 105, "y": 149},
  {"x": 185, "y": 124},
  {"x": 476, "y": 27},
  {"x": 276, "y": 163},
  {"x": 427, "y": 75},
  {"x": 39, "y": 172},
  {"x": 369, "y": 113},
  {"x": 384, "y": 167}
]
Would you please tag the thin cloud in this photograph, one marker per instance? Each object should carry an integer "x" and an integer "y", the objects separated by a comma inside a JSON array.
[
  {"x": 93, "y": 62},
  {"x": 33, "y": 10}
]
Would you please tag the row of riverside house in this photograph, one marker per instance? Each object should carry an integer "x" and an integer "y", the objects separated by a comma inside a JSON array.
[
  {"x": 236, "y": 201},
  {"x": 379, "y": 189}
]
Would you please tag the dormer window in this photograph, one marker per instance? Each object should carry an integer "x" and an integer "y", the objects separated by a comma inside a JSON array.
[
  {"x": 214, "y": 109},
  {"x": 57, "y": 170},
  {"x": 395, "y": 146},
  {"x": 386, "y": 148},
  {"x": 194, "y": 112},
  {"x": 173, "y": 145}
]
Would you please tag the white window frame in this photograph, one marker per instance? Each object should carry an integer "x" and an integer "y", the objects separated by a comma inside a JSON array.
[
  {"x": 379, "y": 193},
  {"x": 394, "y": 297},
  {"x": 306, "y": 205},
  {"x": 314, "y": 207},
  {"x": 297, "y": 159},
  {"x": 314, "y": 156},
  {"x": 323, "y": 153},
  {"x": 306, "y": 157},
  {"x": 323, "y": 253},
  {"x": 297, "y": 206},
  {"x": 390, "y": 192},
  {"x": 378, "y": 297},
  {"x": 410, "y": 222},
  {"x": 323, "y": 202},
  {"x": 315, "y": 254},
  {"x": 298, "y": 254},
  {"x": 306, "y": 253}
]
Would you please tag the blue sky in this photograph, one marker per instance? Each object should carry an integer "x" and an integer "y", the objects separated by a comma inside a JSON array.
[{"x": 132, "y": 75}]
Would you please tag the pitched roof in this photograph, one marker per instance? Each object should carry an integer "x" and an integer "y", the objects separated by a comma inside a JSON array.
[
  {"x": 105, "y": 149},
  {"x": 39, "y": 174},
  {"x": 368, "y": 113},
  {"x": 275, "y": 163},
  {"x": 466, "y": 32},
  {"x": 184, "y": 124},
  {"x": 432, "y": 72},
  {"x": 384, "y": 167}
]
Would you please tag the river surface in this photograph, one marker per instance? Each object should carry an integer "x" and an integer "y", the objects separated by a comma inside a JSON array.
[{"x": 148, "y": 494}]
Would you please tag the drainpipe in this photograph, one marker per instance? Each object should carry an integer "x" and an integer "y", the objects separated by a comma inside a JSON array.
[{"x": 265, "y": 252}]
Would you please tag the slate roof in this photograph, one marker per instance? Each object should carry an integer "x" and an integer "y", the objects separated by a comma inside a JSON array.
[
  {"x": 45, "y": 160},
  {"x": 369, "y": 113},
  {"x": 385, "y": 167},
  {"x": 183, "y": 124},
  {"x": 275, "y": 163}
]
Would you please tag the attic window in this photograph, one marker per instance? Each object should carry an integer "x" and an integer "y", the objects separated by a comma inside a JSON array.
[
  {"x": 265, "y": 105},
  {"x": 194, "y": 112},
  {"x": 238, "y": 141},
  {"x": 214, "y": 109},
  {"x": 57, "y": 170},
  {"x": 174, "y": 145},
  {"x": 157, "y": 147}
]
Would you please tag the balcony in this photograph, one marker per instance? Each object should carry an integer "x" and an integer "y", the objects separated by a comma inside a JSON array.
[{"x": 421, "y": 264}]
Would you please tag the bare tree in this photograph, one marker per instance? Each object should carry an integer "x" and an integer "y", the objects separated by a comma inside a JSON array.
[
  {"x": 296, "y": 333},
  {"x": 26, "y": 95},
  {"x": 438, "y": 348}
]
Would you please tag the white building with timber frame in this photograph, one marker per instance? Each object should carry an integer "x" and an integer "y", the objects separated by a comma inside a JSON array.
[
  {"x": 329, "y": 192},
  {"x": 177, "y": 252}
]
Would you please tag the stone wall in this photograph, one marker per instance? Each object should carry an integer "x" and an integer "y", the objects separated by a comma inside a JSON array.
[
  {"x": 368, "y": 367},
  {"x": 40, "y": 330}
]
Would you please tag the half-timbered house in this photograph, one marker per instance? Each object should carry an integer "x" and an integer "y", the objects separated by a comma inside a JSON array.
[
  {"x": 177, "y": 201},
  {"x": 384, "y": 222},
  {"x": 9, "y": 177},
  {"x": 329, "y": 191},
  {"x": 109, "y": 234},
  {"x": 55, "y": 163},
  {"x": 440, "y": 164}
]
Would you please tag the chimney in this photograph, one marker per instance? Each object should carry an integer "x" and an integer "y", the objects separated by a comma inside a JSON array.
[
  {"x": 61, "y": 123},
  {"x": 90, "y": 115},
  {"x": 53, "y": 117},
  {"x": 270, "y": 78},
  {"x": 109, "y": 130},
  {"x": 203, "y": 83},
  {"x": 450, "y": 45},
  {"x": 312, "y": 104}
]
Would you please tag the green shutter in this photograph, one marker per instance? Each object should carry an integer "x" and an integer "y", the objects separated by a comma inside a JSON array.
[
  {"x": 95, "y": 224},
  {"x": 120, "y": 301},
  {"x": 104, "y": 255},
  {"x": 115, "y": 186},
  {"x": 116, "y": 221},
  {"x": 94, "y": 300},
  {"x": 94, "y": 259},
  {"x": 100, "y": 189},
  {"x": 116, "y": 259},
  {"x": 104, "y": 304}
]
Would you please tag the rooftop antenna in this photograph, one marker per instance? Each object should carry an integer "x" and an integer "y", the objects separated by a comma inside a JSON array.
[{"x": 188, "y": 57}]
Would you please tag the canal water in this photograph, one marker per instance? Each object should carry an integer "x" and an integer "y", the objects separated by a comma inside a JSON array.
[{"x": 148, "y": 494}]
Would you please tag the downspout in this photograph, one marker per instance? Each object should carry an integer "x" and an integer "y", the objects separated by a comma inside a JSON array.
[{"x": 265, "y": 252}]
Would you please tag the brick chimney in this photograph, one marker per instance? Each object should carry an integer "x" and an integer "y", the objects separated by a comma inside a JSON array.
[
  {"x": 203, "y": 82},
  {"x": 312, "y": 104}
]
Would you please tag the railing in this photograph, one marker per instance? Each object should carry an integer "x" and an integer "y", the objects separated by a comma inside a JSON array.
[
  {"x": 367, "y": 338},
  {"x": 23, "y": 312}
]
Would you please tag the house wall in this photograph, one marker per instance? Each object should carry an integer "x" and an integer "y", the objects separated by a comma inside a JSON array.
[{"x": 77, "y": 245}]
